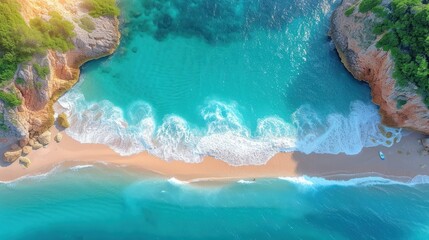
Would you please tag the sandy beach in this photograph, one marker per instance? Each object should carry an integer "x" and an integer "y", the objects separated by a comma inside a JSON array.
[{"x": 403, "y": 161}]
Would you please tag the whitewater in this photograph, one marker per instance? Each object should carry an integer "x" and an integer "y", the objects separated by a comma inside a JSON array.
[{"x": 236, "y": 80}]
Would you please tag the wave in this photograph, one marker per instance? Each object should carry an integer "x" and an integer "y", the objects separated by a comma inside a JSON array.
[
  {"x": 225, "y": 136},
  {"x": 79, "y": 167},
  {"x": 363, "y": 181},
  {"x": 177, "y": 182},
  {"x": 33, "y": 177}
]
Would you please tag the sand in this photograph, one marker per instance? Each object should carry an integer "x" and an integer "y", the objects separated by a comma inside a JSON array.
[{"x": 403, "y": 162}]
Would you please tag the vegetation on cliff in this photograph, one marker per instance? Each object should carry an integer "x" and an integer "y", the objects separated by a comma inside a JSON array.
[
  {"x": 10, "y": 99},
  {"x": 404, "y": 31},
  {"x": 99, "y": 8},
  {"x": 19, "y": 42}
]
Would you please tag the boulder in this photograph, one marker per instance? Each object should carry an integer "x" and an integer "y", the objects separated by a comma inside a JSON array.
[
  {"x": 63, "y": 120},
  {"x": 44, "y": 138},
  {"x": 24, "y": 142},
  {"x": 37, "y": 145},
  {"x": 26, "y": 150},
  {"x": 12, "y": 155},
  {"x": 14, "y": 147},
  {"x": 59, "y": 137},
  {"x": 24, "y": 162}
]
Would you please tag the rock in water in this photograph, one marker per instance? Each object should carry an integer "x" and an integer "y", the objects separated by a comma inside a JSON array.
[
  {"x": 63, "y": 121},
  {"x": 59, "y": 137},
  {"x": 24, "y": 162},
  {"x": 12, "y": 156},
  {"x": 45, "y": 138}
]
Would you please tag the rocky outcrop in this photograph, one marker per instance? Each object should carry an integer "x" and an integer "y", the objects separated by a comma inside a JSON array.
[
  {"x": 35, "y": 116},
  {"x": 24, "y": 162},
  {"x": 12, "y": 155},
  {"x": 355, "y": 43}
]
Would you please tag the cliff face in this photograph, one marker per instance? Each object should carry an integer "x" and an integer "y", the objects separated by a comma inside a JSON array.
[
  {"x": 355, "y": 43},
  {"x": 35, "y": 115}
]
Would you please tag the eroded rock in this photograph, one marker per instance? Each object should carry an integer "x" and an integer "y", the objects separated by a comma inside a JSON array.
[
  {"x": 12, "y": 156},
  {"x": 24, "y": 162},
  {"x": 58, "y": 137},
  {"x": 45, "y": 138}
]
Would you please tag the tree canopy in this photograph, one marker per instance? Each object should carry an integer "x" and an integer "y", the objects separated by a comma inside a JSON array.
[{"x": 404, "y": 31}]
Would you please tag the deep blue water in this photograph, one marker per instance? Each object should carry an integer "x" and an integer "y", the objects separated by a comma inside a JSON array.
[
  {"x": 102, "y": 203},
  {"x": 236, "y": 79}
]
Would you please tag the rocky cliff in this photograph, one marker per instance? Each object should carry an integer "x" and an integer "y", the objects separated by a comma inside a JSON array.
[
  {"x": 355, "y": 43},
  {"x": 35, "y": 116}
]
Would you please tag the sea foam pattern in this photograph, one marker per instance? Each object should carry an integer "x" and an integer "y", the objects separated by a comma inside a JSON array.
[{"x": 225, "y": 136}]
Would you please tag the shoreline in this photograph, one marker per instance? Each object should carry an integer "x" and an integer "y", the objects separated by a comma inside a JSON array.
[{"x": 403, "y": 162}]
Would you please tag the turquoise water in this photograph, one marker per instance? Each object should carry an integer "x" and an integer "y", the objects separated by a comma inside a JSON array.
[
  {"x": 236, "y": 79},
  {"x": 102, "y": 203}
]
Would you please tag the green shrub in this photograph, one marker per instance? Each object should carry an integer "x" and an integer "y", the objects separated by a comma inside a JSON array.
[
  {"x": 349, "y": 11},
  {"x": 400, "y": 103},
  {"x": 20, "y": 81},
  {"x": 19, "y": 42},
  {"x": 405, "y": 33},
  {"x": 368, "y": 5},
  {"x": 99, "y": 8},
  {"x": 39, "y": 85},
  {"x": 42, "y": 71},
  {"x": 87, "y": 24},
  {"x": 10, "y": 99},
  {"x": 57, "y": 33}
]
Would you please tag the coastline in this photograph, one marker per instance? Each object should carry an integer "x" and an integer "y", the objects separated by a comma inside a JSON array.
[{"x": 403, "y": 162}]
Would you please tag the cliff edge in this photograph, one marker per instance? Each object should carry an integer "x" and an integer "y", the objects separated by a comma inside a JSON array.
[
  {"x": 95, "y": 37},
  {"x": 356, "y": 45}
]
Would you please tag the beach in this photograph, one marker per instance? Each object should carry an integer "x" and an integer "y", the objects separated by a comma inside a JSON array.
[{"x": 403, "y": 162}]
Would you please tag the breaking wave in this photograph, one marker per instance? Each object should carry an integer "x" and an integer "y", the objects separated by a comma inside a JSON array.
[{"x": 225, "y": 136}]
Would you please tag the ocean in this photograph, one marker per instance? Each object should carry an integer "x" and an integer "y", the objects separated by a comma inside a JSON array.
[
  {"x": 240, "y": 80},
  {"x": 98, "y": 202}
]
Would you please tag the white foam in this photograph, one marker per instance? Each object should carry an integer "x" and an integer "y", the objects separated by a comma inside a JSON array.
[
  {"x": 225, "y": 136},
  {"x": 32, "y": 177},
  {"x": 79, "y": 167},
  {"x": 177, "y": 182},
  {"x": 245, "y": 182},
  {"x": 364, "y": 181}
]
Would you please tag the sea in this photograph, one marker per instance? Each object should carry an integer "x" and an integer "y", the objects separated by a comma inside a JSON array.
[
  {"x": 239, "y": 80},
  {"x": 104, "y": 202}
]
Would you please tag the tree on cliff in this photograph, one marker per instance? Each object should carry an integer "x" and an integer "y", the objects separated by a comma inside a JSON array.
[{"x": 405, "y": 33}]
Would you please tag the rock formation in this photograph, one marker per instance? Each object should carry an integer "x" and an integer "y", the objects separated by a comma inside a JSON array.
[
  {"x": 35, "y": 116},
  {"x": 355, "y": 43}
]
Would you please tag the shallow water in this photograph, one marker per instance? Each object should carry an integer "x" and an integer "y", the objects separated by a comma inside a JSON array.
[
  {"x": 104, "y": 203},
  {"x": 238, "y": 80}
]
